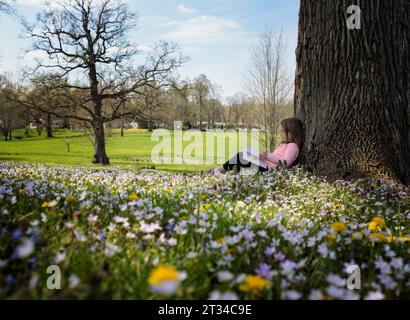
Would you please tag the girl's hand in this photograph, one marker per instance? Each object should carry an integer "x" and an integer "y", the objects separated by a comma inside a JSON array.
[{"x": 263, "y": 155}]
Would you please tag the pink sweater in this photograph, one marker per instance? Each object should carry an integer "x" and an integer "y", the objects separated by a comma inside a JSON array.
[{"x": 286, "y": 151}]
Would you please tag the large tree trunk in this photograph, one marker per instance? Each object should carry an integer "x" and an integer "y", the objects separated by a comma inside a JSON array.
[
  {"x": 100, "y": 156},
  {"x": 352, "y": 89},
  {"x": 49, "y": 128}
]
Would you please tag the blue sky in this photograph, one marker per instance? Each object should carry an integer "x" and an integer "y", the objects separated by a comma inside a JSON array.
[{"x": 217, "y": 35}]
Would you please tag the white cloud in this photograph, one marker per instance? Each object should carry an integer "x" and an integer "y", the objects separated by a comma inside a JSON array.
[
  {"x": 185, "y": 10},
  {"x": 204, "y": 29},
  {"x": 145, "y": 48}
]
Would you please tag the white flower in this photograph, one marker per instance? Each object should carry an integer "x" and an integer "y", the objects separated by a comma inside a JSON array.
[
  {"x": 374, "y": 295},
  {"x": 218, "y": 295},
  {"x": 73, "y": 281},
  {"x": 52, "y": 204},
  {"x": 336, "y": 280},
  {"x": 172, "y": 242},
  {"x": 130, "y": 235},
  {"x": 92, "y": 218},
  {"x": 149, "y": 227},
  {"x": 111, "y": 249},
  {"x": 191, "y": 255},
  {"x": 315, "y": 295},
  {"x": 292, "y": 295},
  {"x": 25, "y": 249},
  {"x": 224, "y": 276},
  {"x": 60, "y": 257}
]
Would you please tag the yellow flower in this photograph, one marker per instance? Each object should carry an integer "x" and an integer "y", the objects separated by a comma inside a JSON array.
[
  {"x": 45, "y": 205},
  {"x": 405, "y": 239},
  {"x": 163, "y": 273},
  {"x": 357, "y": 236},
  {"x": 183, "y": 218},
  {"x": 391, "y": 239},
  {"x": 377, "y": 223},
  {"x": 71, "y": 199},
  {"x": 254, "y": 284},
  {"x": 337, "y": 206},
  {"x": 221, "y": 240},
  {"x": 169, "y": 190},
  {"x": 331, "y": 237},
  {"x": 21, "y": 191},
  {"x": 133, "y": 197},
  {"x": 205, "y": 207},
  {"x": 339, "y": 227},
  {"x": 378, "y": 236}
]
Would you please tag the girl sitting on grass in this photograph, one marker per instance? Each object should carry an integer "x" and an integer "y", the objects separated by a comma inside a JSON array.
[{"x": 292, "y": 139}]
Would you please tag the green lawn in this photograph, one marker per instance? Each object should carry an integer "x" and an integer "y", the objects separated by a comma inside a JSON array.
[{"x": 133, "y": 150}]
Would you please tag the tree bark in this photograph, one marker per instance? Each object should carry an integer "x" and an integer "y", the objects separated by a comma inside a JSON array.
[
  {"x": 100, "y": 156},
  {"x": 49, "y": 129},
  {"x": 352, "y": 89}
]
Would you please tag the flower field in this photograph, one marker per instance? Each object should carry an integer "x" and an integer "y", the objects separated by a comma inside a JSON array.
[{"x": 118, "y": 234}]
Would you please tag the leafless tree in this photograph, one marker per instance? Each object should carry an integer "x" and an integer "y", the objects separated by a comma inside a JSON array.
[
  {"x": 200, "y": 88},
  {"x": 9, "y": 110},
  {"x": 267, "y": 81},
  {"x": 7, "y": 6},
  {"x": 86, "y": 45}
]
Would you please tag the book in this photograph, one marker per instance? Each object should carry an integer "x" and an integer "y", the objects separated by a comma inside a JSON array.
[{"x": 252, "y": 156}]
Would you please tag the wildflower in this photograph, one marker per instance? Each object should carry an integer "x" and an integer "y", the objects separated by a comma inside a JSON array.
[
  {"x": 377, "y": 224},
  {"x": 254, "y": 284},
  {"x": 133, "y": 197},
  {"x": 165, "y": 279},
  {"x": 357, "y": 235},
  {"x": 218, "y": 295},
  {"x": 337, "y": 206},
  {"x": 71, "y": 199},
  {"x": 73, "y": 281},
  {"x": 264, "y": 271},
  {"x": 338, "y": 227},
  {"x": 224, "y": 276},
  {"x": 391, "y": 239},
  {"x": 378, "y": 236},
  {"x": 25, "y": 249},
  {"x": 220, "y": 240},
  {"x": 375, "y": 295},
  {"x": 331, "y": 237},
  {"x": 60, "y": 257},
  {"x": 205, "y": 207},
  {"x": 149, "y": 227},
  {"x": 292, "y": 295}
]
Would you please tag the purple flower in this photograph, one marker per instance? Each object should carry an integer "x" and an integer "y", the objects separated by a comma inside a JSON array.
[
  {"x": 10, "y": 280},
  {"x": 17, "y": 235},
  {"x": 264, "y": 271}
]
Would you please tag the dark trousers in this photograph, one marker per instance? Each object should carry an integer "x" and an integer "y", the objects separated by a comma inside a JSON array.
[{"x": 238, "y": 162}]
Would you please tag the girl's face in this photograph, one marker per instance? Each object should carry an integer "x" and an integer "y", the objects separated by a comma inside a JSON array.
[{"x": 283, "y": 135}]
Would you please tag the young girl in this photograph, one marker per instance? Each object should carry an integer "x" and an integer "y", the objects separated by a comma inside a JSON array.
[{"x": 292, "y": 139}]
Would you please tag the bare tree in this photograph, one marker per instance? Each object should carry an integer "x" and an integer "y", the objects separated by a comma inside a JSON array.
[
  {"x": 9, "y": 110},
  {"x": 7, "y": 6},
  {"x": 267, "y": 81},
  {"x": 200, "y": 88},
  {"x": 86, "y": 45}
]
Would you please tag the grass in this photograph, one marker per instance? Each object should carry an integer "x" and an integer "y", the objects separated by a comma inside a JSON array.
[{"x": 133, "y": 150}]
